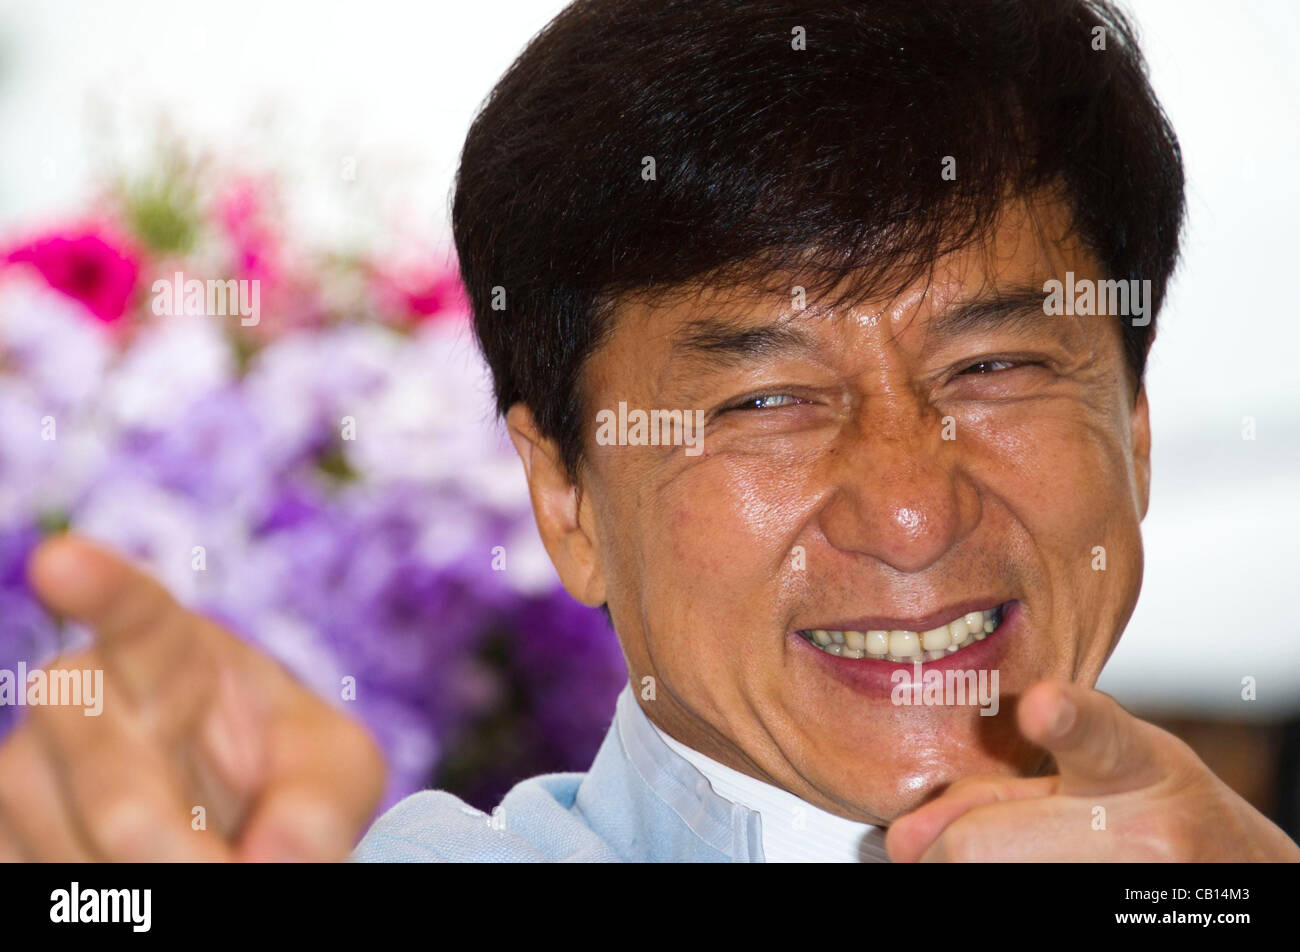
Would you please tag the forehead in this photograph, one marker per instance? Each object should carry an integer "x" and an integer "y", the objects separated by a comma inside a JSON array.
[{"x": 1028, "y": 244}]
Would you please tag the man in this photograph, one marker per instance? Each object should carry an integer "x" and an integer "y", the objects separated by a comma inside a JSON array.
[{"x": 772, "y": 295}]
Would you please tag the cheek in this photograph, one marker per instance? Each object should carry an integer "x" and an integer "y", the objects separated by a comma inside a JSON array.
[
  {"x": 726, "y": 525},
  {"x": 1063, "y": 472},
  {"x": 1065, "y": 479}
]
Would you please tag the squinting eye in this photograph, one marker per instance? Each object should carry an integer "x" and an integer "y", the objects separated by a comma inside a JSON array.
[
  {"x": 767, "y": 401},
  {"x": 989, "y": 366}
]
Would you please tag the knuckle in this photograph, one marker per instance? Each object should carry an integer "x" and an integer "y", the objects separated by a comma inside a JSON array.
[
  {"x": 966, "y": 785},
  {"x": 122, "y": 824},
  {"x": 961, "y": 845},
  {"x": 186, "y": 688},
  {"x": 983, "y": 789}
]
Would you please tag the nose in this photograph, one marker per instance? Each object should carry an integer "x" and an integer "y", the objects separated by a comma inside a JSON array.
[{"x": 898, "y": 492}]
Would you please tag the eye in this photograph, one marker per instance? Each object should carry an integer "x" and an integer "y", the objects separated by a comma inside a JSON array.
[
  {"x": 766, "y": 401},
  {"x": 990, "y": 366}
]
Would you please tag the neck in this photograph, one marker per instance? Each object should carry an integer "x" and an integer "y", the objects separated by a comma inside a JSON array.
[{"x": 793, "y": 830}]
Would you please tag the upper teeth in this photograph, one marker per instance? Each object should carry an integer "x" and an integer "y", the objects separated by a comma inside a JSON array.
[{"x": 907, "y": 646}]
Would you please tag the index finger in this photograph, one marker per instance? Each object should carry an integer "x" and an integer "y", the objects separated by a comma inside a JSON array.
[
  {"x": 1098, "y": 746},
  {"x": 142, "y": 631}
]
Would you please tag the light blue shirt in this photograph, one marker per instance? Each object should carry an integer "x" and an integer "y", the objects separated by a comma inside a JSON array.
[{"x": 639, "y": 802}]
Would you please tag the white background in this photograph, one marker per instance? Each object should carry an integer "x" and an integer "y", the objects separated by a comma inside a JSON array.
[{"x": 394, "y": 86}]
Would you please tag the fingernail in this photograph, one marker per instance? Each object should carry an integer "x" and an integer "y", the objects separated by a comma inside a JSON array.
[{"x": 1065, "y": 714}]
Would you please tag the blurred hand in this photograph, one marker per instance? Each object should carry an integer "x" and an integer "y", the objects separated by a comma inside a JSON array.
[
  {"x": 1126, "y": 790},
  {"x": 192, "y": 717}
]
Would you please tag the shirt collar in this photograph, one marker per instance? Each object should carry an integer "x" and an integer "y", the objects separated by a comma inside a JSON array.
[
  {"x": 794, "y": 831},
  {"x": 739, "y": 817},
  {"x": 728, "y": 828}
]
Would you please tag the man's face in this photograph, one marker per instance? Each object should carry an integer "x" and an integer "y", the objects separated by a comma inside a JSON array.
[{"x": 890, "y": 467}]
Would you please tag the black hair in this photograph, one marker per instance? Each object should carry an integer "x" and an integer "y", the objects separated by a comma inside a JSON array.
[{"x": 769, "y": 156}]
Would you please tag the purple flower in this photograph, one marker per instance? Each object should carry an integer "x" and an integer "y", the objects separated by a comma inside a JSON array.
[
  {"x": 343, "y": 500},
  {"x": 27, "y": 632}
]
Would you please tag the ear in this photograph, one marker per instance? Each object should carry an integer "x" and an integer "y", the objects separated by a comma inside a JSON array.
[
  {"x": 1140, "y": 428},
  {"x": 564, "y": 515}
]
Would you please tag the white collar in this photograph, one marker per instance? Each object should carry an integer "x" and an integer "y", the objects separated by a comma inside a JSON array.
[{"x": 793, "y": 830}]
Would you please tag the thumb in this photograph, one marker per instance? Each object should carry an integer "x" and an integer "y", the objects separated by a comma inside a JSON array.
[{"x": 1098, "y": 746}]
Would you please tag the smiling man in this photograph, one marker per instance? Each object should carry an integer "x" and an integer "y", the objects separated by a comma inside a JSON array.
[
  {"x": 887, "y": 530},
  {"x": 829, "y": 536}
]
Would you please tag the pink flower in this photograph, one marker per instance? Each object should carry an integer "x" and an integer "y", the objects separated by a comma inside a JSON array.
[
  {"x": 255, "y": 243},
  {"x": 419, "y": 294},
  {"x": 85, "y": 266},
  {"x": 441, "y": 294}
]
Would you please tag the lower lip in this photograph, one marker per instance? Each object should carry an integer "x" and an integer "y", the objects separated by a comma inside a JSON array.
[{"x": 872, "y": 676}]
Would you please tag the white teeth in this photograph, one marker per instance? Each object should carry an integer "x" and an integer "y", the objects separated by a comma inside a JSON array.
[
  {"x": 904, "y": 644},
  {"x": 907, "y": 646},
  {"x": 936, "y": 639}
]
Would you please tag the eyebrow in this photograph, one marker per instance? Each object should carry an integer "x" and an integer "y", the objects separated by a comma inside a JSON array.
[
  {"x": 716, "y": 339},
  {"x": 1017, "y": 309}
]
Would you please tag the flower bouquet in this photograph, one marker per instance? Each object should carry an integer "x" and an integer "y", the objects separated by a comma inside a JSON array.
[{"x": 299, "y": 442}]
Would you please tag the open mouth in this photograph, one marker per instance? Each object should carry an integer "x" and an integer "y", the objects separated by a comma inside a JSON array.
[{"x": 909, "y": 647}]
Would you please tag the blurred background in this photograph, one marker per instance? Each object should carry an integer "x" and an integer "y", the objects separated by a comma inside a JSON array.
[{"x": 313, "y": 148}]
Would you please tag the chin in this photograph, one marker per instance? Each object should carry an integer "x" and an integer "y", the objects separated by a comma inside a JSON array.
[
  {"x": 914, "y": 782},
  {"x": 881, "y": 778}
]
